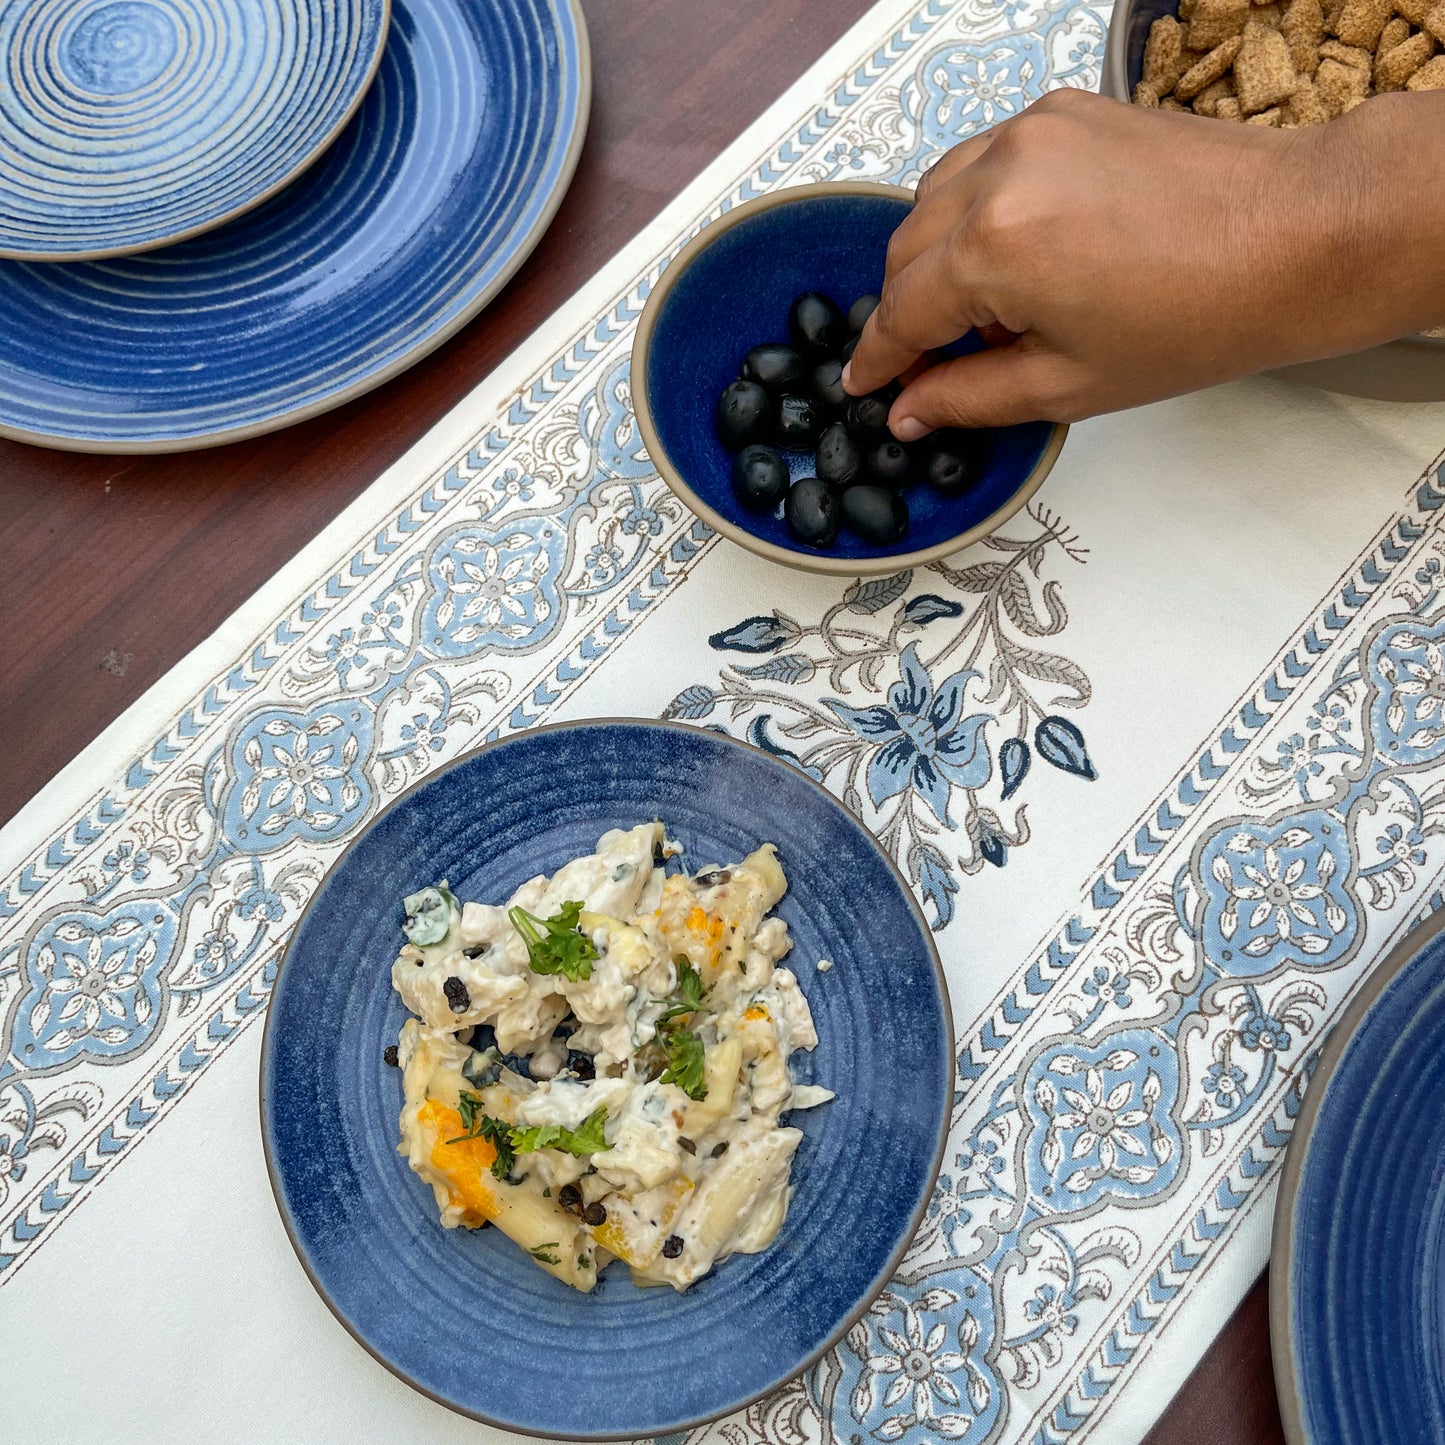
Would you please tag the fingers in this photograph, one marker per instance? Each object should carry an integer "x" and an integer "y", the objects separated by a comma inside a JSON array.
[
  {"x": 1023, "y": 382},
  {"x": 925, "y": 306},
  {"x": 937, "y": 208}
]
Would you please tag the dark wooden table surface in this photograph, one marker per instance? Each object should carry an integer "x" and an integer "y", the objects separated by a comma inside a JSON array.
[{"x": 112, "y": 568}]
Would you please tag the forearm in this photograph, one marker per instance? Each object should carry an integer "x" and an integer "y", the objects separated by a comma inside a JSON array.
[{"x": 1381, "y": 186}]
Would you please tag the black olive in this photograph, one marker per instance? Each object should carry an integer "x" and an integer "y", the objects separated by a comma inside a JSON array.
[
  {"x": 811, "y": 512},
  {"x": 878, "y": 514},
  {"x": 477, "y": 951},
  {"x": 457, "y": 995},
  {"x": 388, "y": 1055},
  {"x": 775, "y": 366},
  {"x": 889, "y": 465},
  {"x": 816, "y": 325},
  {"x": 799, "y": 422},
  {"x": 714, "y": 878},
  {"x": 683, "y": 1142},
  {"x": 595, "y": 1214},
  {"x": 760, "y": 478},
  {"x": 868, "y": 416},
  {"x": 950, "y": 461},
  {"x": 826, "y": 384},
  {"x": 672, "y": 1246},
  {"x": 840, "y": 458},
  {"x": 581, "y": 1064},
  {"x": 744, "y": 415},
  {"x": 720, "y": 1149},
  {"x": 860, "y": 311},
  {"x": 849, "y": 347},
  {"x": 569, "y": 1196}
]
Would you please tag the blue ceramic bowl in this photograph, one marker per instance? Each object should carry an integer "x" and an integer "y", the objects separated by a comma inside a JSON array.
[
  {"x": 465, "y": 1317},
  {"x": 1357, "y": 1313},
  {"x": 428, "y": 202},
  {"x": 130, "y": 124},
  {"x": 729, "y": 289}
]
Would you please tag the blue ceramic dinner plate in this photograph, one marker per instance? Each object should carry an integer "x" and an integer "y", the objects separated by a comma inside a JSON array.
[
  {"x": 127, "y": 124},
  {"x": 429, "y": 200},
  {"x": 464, "y": 1316},
  {"x": 1357, "y": 1308},
  {"x": 729, "y": 289}
]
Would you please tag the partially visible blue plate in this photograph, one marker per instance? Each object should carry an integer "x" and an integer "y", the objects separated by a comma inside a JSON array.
[
  {"x": 414, "y": 219},
  {"x": 465, "y": 1317},
  {"x": 128, "y": 124},
  {"x": 1357, "y": 1297}
]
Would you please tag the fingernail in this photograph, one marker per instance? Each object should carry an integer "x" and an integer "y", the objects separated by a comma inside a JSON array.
[
  {"x": 909, "y": 428},
  {"x": 847, "y": 376}
]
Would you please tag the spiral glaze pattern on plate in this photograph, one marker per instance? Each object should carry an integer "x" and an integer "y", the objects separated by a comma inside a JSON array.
[
  {"x": 127, "y": 124},
  {"x": 464, "y": 1315},
  {"x": 428, "y": 201},
  {"x": 1359, "y": 1336}
]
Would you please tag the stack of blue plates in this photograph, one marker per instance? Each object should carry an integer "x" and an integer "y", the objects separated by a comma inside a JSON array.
[{"x": 320, "y": 192}]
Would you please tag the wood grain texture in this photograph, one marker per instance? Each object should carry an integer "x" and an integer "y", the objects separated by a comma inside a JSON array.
[{"x": 113, "y": 568}]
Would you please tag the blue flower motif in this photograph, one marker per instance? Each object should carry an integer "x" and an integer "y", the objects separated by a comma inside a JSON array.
[
  {"x": 1108, "y": 990},
  {"x": 927, "y": 743},
  {"x": 1225, "y": 1082},
  {"x": 1331, "y": 719},
  {"x": 1428, "y": 574},
  {"x": 425, "y": 731},
  {"x": 1298, "y": 757},
  {"x": 602, "y": 562},
  {"x": 214, "y": 953},
  {"x": 1265, "y": 1033},
  {"x": 1052, "y": 1308},
  {"x": 126, "y": 858},
  {"x": 846, "y": 153},
  {"x": 947, "y": 1210},
  {"x": 260, "y": 902},
  {"x": 342, "y": 649},
  {"x": 384, "y": 616},
  {"x": 641, "y": 519},
  {"x": 1405, "y": 847},
  {"x": 513, "y": 483}
]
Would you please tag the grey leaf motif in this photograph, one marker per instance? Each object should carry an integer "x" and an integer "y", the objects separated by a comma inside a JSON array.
[
  {"x": 955, "y": 1427},
  {"x": 1049, "y": 667},
  {"x": 863, "y": 1396},
  {"x": 691, "y": 704},
  {"x": 933, "y": 1300},
  {"x": 895, "y": 1427},
  {"x": 791, "y": 668},
  {"x": 876, "y": 593}
]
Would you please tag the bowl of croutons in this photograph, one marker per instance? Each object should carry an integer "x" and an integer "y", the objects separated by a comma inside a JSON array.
[{"x": 1289, "y": 63}]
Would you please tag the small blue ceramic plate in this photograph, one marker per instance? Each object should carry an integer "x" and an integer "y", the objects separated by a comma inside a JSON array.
[
  {"x": 730, "y": 288},
  {"x": 429, "y": 200},
  {"x": 1357, "y": 1299},
  {"x": 127, "y": 124},
  {"x": 465, "y": 1317}
]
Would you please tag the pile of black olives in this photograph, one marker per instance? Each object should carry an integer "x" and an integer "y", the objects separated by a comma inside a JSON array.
[{"x": 791, "y": 398}]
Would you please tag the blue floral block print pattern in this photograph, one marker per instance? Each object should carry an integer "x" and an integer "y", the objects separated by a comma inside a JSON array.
[{"x": 1144, "y": 1067}]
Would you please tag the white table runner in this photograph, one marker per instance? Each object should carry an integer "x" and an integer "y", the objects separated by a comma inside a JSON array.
[{"x": 1218, "y": 631}]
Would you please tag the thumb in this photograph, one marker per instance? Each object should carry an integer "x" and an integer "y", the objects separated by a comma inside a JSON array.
[{"x": 1027, "y": 381}]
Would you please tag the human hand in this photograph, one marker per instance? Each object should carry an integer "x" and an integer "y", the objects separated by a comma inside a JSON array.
[{"x": 1139, "y": 253}]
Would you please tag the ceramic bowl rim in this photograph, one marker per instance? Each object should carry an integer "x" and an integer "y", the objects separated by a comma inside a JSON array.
[
  {"x": 945, "y": 1113},
  {"x": 668, "y": 471},
  {"x": 1281, "y": 1291},
  {"x": 160, "y": 446},
  {"x": 303, "y": 163}
]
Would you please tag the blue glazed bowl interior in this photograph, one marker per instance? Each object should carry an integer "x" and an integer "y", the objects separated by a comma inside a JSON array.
[
  {"x": 735, "y": 293},
  {"x": 1367, "y": 1259},
  {"x": 464, "y": 1315}
]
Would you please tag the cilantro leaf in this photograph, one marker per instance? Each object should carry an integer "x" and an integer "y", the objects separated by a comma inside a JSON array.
[
  {"x": 557, "y": 944},
  {"x": 496, "y": 1132},
  {"x": 547, "y": 1253},
  {"x": 586, "y": 1139},
  {"x": 685, "y": 1055},
  {"x": 689, "y": 990}
]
